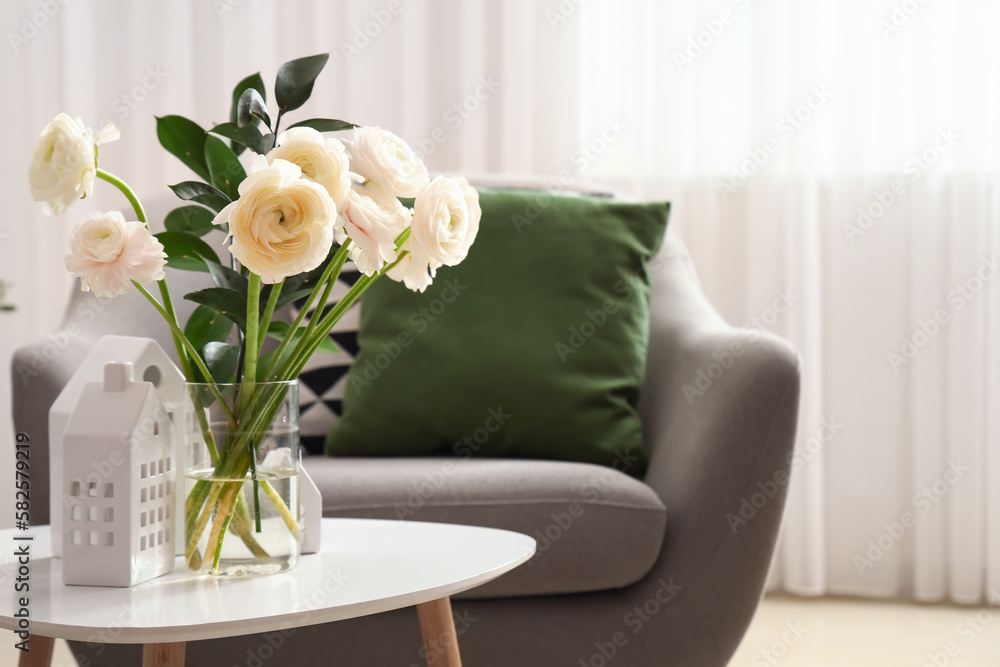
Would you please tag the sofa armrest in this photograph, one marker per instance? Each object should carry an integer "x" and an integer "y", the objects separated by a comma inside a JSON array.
[
  {"x": 39, "y": 372},
  {"x": 720, "y": 408}
]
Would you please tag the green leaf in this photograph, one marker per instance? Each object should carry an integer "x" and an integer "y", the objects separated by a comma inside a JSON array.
[
  {"x": 221, "y": 360},
  {"x": 226, "y": 302},
  {"x": 295, "y": 81},
  {"x": 227, "y": 172},
  {"x": 229, "y": 279},
  {"x": 202, "y": 193},
  {"x": 227, "y": 130},
  {"x": 248, "y": 135},
  {"x": 191, "y": 219},
  {"x": 324, "y": 124},
  {"x": 185, "y": 139},
  {"x": 302, "y": 285},
  {"x": 279, "y": 331},
  {"x": 253, "y": 81},
  {"x": 288, "y": 296},
  {"x": 186, "y": 251},
  {"x": 206, "y": 325},
  {"x": 252, "y": 107}
]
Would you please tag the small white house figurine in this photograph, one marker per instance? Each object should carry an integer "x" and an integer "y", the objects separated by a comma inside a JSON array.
[
  {"x": 118, "y": 529},
  {"x": 152, "y": 365},
  {"x": 310, "y": 513}
]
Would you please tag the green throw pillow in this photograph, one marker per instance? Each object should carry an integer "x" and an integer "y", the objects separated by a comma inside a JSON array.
[{"x": 533, "y": 347}]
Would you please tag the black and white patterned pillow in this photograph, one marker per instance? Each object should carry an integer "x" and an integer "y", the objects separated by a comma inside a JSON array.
[{"x": 322, "y": 382}]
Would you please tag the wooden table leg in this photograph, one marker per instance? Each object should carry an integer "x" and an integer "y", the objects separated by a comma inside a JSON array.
[
  {"x": 163, "y": 655},
  {"x": 438, "y": 628},
  {"x": 39, "y": 653}
]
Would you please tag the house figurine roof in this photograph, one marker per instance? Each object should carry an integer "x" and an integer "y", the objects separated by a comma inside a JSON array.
[{"x": 114, "y": 405}]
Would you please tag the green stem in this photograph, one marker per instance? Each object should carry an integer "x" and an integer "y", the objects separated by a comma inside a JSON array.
[
  {"x": 241, "y": 522},
  {"x": 265, "y": 322},
  {"x": 226, "y": 520},
  {"x": 125, "y": 190},
  {"x": 252, "y": 342},
  {"x": 334, "y": 267},
  {"x": 339, "y": 260},
  {"x": 279, "y": 504},
  {"x": 307, "y": 346},
  {"x": 316, "y": 332},
  {"x": 297, "y": 363},
  {"x": 277, "y": 126},
  {"x": 190, "y": 348},
  {"x": 250, "y": 379},
  {"x": 256, "y": 489}
]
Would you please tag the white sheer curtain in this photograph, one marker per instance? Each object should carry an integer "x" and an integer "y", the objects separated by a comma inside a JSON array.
[
  {"x": 809, "y": 112},
  {"x": 667, "y": 99}
]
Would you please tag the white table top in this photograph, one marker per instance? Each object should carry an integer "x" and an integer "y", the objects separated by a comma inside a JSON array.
[{"x": 365, "y": 567}]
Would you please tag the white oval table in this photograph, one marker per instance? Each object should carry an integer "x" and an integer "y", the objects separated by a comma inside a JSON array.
[{"x": 364, "y": 567}]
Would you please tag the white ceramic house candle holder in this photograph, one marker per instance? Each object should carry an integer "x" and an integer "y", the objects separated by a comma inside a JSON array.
[
  {"x": 151, "y": 364},
  {"x": 118, "y": 531}
]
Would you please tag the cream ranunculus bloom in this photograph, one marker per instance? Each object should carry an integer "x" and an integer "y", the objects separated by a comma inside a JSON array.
[
  {"x": 381, "y": 156},
  {"x": 372, "y": 220},
  {"x": 446, "y": 218},
  {"x": 107, "y": 254},
  {"x": 65, "y": 162},
  {"x": 282, "y": 224},
  {"x": 416, "y": 269},
  {"x": 320, "y": 159}
]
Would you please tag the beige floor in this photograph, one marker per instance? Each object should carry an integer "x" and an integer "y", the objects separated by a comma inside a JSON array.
[
  {"x": 849, "y": 633},
  {"x": 827, "y": 633}
]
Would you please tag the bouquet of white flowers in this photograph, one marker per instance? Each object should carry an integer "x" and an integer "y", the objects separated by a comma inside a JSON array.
[{"x": 307, "y": 204}]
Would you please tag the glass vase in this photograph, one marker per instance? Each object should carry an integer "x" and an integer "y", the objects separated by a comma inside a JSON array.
[{"x": 242, "y": 463}]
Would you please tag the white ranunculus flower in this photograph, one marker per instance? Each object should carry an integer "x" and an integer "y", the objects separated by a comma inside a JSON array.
[
  {"x": 107, "y": 254},
  {"x": 381, "y": 156},
  {"x": 282, "y": 224},
  {"x": 65, "y": 162},
  {"x": 372, "y": 220},
  {"x": 446, "y": 217},
  {"x": 416, "y": 269},
  {"x": 320, "y": 159}
]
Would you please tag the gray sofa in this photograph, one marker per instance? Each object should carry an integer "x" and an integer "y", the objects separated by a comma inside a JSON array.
[{"x": 663, "y": 571}]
